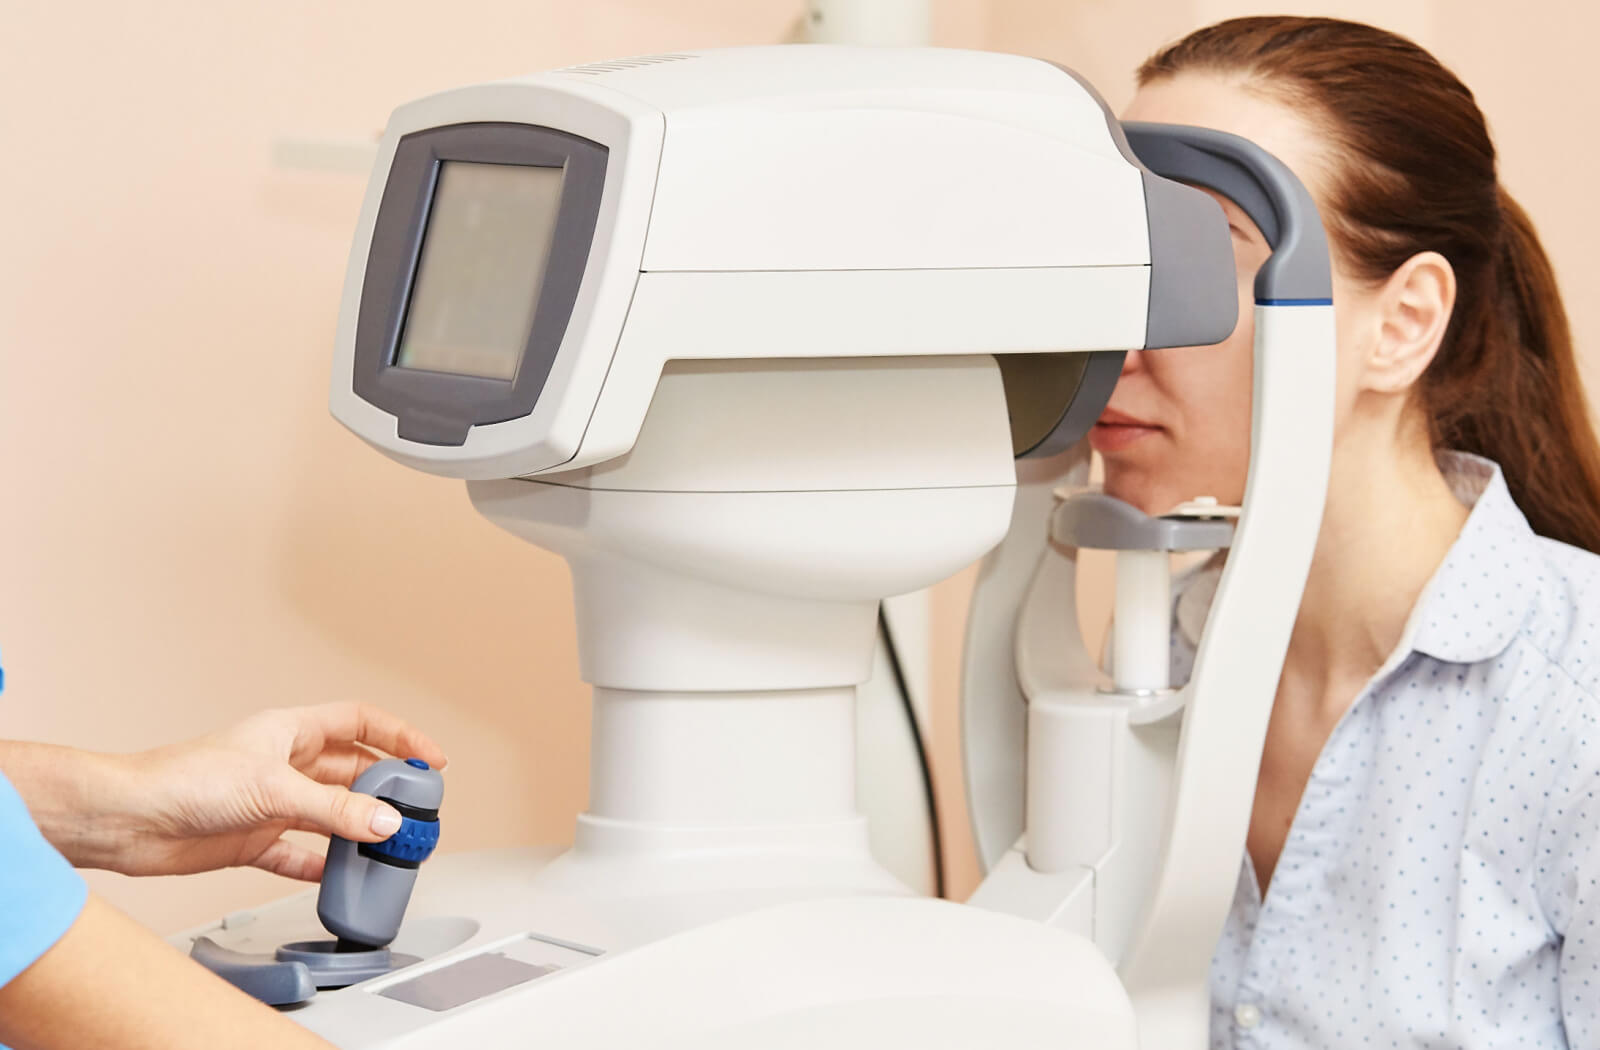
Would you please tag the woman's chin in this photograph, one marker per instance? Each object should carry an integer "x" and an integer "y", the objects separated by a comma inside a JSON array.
[
  {"x": 1140, "y": 490},
  {"x": 1160, "y": 493}
]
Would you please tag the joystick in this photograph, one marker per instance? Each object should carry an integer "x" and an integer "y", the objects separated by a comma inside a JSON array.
[{"x": 366, "y": 887}]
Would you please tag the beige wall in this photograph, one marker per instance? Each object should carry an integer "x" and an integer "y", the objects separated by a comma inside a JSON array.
[{"x": 187, "y": 536}]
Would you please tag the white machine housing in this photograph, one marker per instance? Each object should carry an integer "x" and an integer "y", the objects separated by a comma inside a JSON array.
[
  {"x": 805, "y": 202},
  {"x": 762, "y": 362},
  {"x": 799, "y": 309}
]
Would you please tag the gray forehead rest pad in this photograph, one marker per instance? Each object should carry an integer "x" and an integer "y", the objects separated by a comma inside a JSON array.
[{"x": 1261, "y": 185}]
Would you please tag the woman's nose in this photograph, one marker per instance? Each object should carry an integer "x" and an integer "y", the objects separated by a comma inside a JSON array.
[{"x": 1133, "y": 362}]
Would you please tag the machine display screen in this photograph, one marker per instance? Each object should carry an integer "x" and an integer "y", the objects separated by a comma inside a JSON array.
[{"x": 481, "y": 267}]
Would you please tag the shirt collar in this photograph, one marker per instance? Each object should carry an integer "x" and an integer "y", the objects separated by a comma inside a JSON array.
[
  {"x": 1477, "y": 599},
  {"x": 1480, "y": 595}
]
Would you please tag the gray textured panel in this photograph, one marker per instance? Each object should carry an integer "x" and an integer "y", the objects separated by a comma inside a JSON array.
[
  {"x": 1267, "y": 191},
  {"x": 466, "y": 981},
  {"x": 1095, "y": 521}
]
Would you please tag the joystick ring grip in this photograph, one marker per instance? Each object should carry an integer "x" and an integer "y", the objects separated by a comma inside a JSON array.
[{"x": 412, "y": 844}]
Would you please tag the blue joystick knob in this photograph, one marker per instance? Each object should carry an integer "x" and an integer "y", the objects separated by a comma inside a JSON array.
[
  {"x": 366, "y": 886},
  {"x": 409, "y": 846}
]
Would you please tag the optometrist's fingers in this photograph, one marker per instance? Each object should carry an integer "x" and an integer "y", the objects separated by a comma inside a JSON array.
[
  {"x": 326, "y": 808},
  {"x": 350, "y": 722},
  {"x": 292, "y": 861},
  {"x": 340, "y": 765}
]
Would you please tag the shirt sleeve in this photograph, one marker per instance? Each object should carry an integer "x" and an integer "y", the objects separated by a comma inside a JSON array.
[
  {"x": 1569, "y": 877},
  {"x": 40, "y": 893}
]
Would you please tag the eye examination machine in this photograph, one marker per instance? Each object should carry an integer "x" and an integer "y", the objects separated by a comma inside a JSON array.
[{"x": 756, "y": 339}]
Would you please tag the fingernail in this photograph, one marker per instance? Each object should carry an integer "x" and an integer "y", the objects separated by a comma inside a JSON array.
[{"x": 385, "y": 820}]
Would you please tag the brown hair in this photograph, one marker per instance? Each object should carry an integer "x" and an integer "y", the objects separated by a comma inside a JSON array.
[{"x": 1419, "y": 175}]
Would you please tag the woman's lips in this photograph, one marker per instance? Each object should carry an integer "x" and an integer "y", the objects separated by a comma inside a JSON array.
[{"x": 1116, "y": 431}]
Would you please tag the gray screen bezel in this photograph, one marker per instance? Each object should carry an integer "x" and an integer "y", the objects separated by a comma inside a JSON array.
[{"x": 438, "y": 408}]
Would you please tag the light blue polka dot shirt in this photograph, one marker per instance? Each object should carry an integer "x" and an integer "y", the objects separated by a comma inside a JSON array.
[{"x": 1438, "y": 887}]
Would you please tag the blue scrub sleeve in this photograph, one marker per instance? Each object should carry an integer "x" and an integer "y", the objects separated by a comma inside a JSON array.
[{"x": 40, "y": 894}]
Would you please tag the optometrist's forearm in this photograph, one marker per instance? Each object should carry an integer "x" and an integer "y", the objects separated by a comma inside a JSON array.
[
  {"x": 111, "y": 983},
  {"x": 78, "y": 798}
]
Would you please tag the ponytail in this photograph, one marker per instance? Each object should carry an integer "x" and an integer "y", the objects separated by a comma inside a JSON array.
[
  {"x": 1509, "y": 388},
  {"x": 1418, "y": 173}
]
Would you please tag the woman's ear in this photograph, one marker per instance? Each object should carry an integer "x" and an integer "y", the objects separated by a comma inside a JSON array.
[{"x": 1411, "y": 314}]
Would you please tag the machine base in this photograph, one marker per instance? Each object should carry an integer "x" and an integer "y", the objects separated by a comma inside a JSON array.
[{"x": 503, "y": 964}]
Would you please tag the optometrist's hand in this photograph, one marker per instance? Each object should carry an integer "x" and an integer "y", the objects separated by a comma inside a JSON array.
[{"x": 223, "y": 800}]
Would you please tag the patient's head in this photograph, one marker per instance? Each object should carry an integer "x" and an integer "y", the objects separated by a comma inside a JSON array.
[{"x": 1451, "y": 332}]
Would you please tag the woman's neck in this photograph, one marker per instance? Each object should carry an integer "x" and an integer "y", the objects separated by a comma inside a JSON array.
[{"x": 1390, "y": 520}]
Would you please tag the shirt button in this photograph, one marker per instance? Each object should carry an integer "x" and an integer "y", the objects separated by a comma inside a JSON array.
[{"x": 1247, "y": 1014}]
